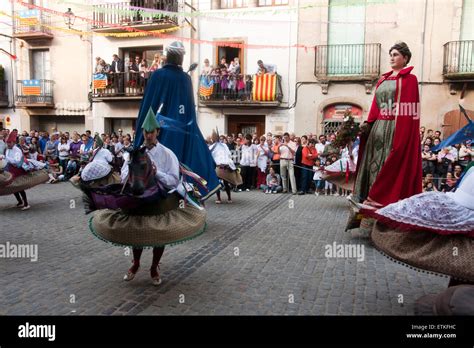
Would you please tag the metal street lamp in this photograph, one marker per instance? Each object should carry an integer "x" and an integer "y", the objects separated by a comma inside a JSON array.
[{"x": 69, "y": 18}]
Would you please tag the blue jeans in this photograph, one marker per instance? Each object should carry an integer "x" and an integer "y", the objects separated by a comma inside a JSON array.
[
  {"x": 271, "y": 188},
  {"x": 319, "y": 184},
  {"x": 306, "y": 175}
]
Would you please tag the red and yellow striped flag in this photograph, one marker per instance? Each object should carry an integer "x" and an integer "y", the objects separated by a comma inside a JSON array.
[
  {"x": 99, "y": 81},
  {"x": 28, "y": 18},
  {"x": 206, "y": 87},
  {"x": 264, "y": 87}
]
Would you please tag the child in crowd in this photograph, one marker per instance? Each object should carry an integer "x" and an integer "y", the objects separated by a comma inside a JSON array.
[
  {"x": 317, "y": 177},
  {"x": 329, "y": 188}
]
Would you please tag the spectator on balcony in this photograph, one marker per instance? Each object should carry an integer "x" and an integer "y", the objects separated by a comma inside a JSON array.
[
  {"x": 234, "y": 66},
  {"x": 144, "y": 74},
  {"x": 155, "y": 64},
  {"x": 206, "y": 68},
  {"x": 133, "y": 72},
  {"x": 117, "y": 69},
  {"x": 99, "y": 65},
  {"x": 266, "y": 68},
  {"x": 223, "y": 64},
  {"x": 248, "y": 87},
  {"x": 232, "y": 86},
  {"x": 224, "y": 84},
  {"x": 240, "y": 88},
  {"x": 134, "y": 66},
  {"x": 216, "y": 81}
]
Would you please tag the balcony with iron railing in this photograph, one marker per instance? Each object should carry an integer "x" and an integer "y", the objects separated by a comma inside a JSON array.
[
  {"x": 3, "y": 93},
  {"x": 458, "y": 61},
  {"x": 32, "y": 25},
  {"x": 119, "y": 86},
  {"x": 351, "y": 62},
  {"x": 240, "y": 90},
  {"x": 34, "y": 93},
  {"x": 118, "y": 17}
]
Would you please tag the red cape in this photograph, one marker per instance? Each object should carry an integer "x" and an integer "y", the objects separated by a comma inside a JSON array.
[{"x": 400, "y": 176}]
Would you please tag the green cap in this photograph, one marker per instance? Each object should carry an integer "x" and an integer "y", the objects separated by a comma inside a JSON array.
[
  {"x": 150, "y": 123},
  {"x": 98, "y": 141}
]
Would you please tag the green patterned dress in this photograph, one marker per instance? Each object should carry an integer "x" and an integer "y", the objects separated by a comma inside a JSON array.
[{"x": 379, "y": 143}]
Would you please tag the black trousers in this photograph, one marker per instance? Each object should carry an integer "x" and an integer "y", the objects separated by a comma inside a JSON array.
[
  {"x": 21, "y": 197},
  {"x": 247, "y": 173}
]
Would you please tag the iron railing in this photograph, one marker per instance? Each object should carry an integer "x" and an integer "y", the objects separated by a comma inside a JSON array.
[
  {"x": 125, "y": 84},
  {"x": 127, "y": 13},
  {"x": 238, "y": 88},
  {"x": 33, "y": 21},
  {"x": 347, "y": 60},
  {"x": 458, "y": 57},
  {"x": 43, "y": 94}
]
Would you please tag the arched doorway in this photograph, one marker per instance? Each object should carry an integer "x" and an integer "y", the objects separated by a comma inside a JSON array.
[
  {"x": 333, "y": 116},
  {"x": 455, "y": 120}
]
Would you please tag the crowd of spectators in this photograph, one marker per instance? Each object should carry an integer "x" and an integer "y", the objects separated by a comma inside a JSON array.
[
  {"x": 67, "y": 153},
  {"x": 442, "y": 167},
  {"x": 271, "y": 163},
  {"x": 276, "y": 163},
  {"x": 135, "y": 74},
  {"x": 227, "y": 80}
]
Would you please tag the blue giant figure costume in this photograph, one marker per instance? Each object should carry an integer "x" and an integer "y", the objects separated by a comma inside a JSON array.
[{"x": 169, "y": 94}]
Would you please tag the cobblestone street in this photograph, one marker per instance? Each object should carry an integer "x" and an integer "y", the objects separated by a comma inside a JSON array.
[{"x": 262, "y": 255}]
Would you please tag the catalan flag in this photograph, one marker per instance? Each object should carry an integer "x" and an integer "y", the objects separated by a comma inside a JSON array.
[
  {"x": 31, "y": 87},
  {"x": 264, "y": 87},
  {"x": 30, "y": 17},
  {"x": 206, "y": 86},
  {"x": 100, "y": 81}
]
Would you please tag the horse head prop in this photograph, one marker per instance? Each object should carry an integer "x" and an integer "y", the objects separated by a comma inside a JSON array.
[{"x": 141, "y": 172}]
